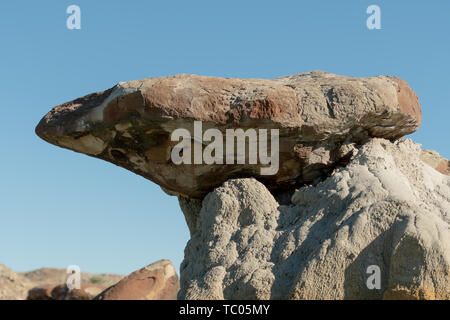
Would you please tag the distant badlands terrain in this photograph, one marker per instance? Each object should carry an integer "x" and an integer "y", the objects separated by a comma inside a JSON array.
[
  {"x": 157, "y": 281},
  {"x": 15, "y": 285}
]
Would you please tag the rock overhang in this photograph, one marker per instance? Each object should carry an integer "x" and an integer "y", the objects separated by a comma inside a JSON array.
[{"x": 316, "y": 114}]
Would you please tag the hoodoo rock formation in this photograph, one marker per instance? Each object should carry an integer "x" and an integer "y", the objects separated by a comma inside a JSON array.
[{"x": 350, "y": 197}]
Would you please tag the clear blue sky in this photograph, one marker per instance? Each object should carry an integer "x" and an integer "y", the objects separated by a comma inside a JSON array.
[{"x": 59, "y": 208}]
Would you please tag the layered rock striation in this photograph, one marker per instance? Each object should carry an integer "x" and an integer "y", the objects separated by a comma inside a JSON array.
[{"x": 318, "y": 115}]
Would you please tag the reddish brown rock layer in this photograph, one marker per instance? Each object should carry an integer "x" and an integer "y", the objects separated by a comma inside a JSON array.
[
  {"x": 157, "y": 281},
  {"x": 316, "y": 113},
  {"x": 87, "y": 291}
]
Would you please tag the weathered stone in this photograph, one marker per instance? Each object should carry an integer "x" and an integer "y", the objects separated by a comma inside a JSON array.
[
  {"x": 435, "y": 160},
  {"x": 316, "y": 113},
  {"x": 385, "y": 208},
  {"x": 191, "y": 209},
  {"x": 157, "y": 281},
  {"x": 43, "y": 292},
  {"x": 87, "y": 291},
  {"x": 12, "y": 285}
]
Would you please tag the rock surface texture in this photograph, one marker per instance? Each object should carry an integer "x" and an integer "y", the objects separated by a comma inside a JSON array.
[
  {"x": 12, "y": 285},
  {"x": 320, "y": 116},
  {"x": 385, "y": 208},
  {"x": 435, "y": 160},
  {"x": 157, "y": 281}
]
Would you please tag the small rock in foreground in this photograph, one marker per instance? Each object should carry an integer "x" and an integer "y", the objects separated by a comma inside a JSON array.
[{"x": 157, "y": 281}]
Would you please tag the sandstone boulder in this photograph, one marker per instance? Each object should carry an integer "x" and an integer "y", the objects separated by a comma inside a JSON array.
[
  {"x": 320, "y": 118},
  {"x": 435, "y": 160},
  {"x": 87, "y": 291},
  {"x": 157, "y": 281},
  {"x": 43, "y": 292},
  {"x": 386, "y": 208}
]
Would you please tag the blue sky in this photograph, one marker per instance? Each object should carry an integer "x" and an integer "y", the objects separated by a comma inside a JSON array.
[{"x": 59, "y": 208}]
